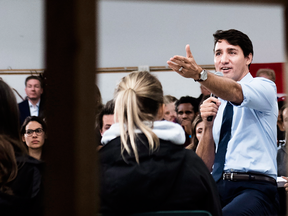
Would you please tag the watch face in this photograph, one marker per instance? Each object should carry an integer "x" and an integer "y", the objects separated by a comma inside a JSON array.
[{"x": 203, "y": 75}]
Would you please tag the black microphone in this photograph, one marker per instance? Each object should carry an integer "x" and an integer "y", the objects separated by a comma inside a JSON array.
[{"x": 209, "y": 118}]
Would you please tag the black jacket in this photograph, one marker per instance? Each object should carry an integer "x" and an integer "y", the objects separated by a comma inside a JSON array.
[
  {"x": 171, "y": 178},
  {"x": 26, "y": 187},
  {"x": 24, "y": 110}
]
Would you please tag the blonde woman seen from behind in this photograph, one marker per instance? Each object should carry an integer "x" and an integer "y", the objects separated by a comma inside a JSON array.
[{"x": 144, "y": 166}]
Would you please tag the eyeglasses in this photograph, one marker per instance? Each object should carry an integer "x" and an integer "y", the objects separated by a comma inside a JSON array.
[{"x": 38, "y": 132}]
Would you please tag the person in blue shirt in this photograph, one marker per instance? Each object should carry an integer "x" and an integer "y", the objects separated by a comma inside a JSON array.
[{"x": 248, "y": 168}]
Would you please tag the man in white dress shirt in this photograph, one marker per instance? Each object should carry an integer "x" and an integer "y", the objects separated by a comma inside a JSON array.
[{"x": 239, "y": 144}]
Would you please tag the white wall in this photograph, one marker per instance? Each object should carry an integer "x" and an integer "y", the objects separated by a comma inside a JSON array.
[
  {"x": 172, "y": 84},
  {"x": 149, "y": 33},
  {"x": 142, "y": 33},
  {"x": 21, "y": 37}
]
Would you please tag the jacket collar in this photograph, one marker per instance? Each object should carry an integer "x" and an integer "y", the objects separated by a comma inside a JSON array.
[{"x": 164, "y": 130}]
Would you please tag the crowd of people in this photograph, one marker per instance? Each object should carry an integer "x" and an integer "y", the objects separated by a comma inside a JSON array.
[{"x": 220, "y": 152}]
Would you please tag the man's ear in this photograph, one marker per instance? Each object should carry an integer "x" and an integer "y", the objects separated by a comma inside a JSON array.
[
  {"x": 249, "y": 59},
  {"x": 23, "y": 139}
]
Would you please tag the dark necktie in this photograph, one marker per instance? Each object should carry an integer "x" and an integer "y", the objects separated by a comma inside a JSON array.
[{"x": 225, "y": 135}]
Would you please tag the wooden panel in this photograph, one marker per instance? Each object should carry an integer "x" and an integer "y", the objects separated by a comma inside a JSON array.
[{"x": 70, "y": 181}]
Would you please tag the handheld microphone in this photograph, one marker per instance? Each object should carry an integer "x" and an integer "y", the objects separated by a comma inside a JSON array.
[{"x": 209, "y": 118}]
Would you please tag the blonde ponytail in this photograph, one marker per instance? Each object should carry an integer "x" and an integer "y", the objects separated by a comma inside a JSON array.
[{"x": 137, "y": 100}]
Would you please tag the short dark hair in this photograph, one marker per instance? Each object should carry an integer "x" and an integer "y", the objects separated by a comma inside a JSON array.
[
  {"x": 34, "y": 77},
  {"x": 108, "y": 109},
  {"x": 236, "y": 38},
  {"x": 30, "y": 119},
  {"x": 188, "y": 99}
]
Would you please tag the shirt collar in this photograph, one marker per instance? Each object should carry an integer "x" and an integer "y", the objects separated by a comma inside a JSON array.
[
  {"x": 31, "y": 105},
  {"x": 246, "y": 78}
]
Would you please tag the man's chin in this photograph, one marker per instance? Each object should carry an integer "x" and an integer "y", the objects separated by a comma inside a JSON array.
[{"x": 33, "y": 98}]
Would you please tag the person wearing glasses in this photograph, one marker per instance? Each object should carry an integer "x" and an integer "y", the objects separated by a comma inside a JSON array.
[
  {"x": 20, "y": 174},
  {"x": 33, "y": 134}
]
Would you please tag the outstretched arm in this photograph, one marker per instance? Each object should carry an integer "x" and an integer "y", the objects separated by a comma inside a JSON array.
[
  {"x": 206, "y": 147},
  {"x": 224, "y": 88}
]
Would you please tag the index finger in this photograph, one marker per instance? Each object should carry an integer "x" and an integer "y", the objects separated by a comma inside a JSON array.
[
  {"x": 179, "y": 59},
  {"x": 212, "y": 99},
  {"x": 188, "y": 51}
]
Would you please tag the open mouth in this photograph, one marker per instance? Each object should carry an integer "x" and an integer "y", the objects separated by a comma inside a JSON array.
[{"x": 225, "y": 69}]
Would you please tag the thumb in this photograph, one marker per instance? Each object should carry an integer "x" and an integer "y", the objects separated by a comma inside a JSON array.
[{"x": 188, "y": 51}]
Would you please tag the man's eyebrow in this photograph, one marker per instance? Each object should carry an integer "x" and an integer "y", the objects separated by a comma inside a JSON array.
[{"x": 232, "y": 49}]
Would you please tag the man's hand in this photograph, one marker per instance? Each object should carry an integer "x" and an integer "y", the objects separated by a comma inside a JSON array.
[
  {"x": 209, "y": 109},
  {"x": 190, "y": 67}
]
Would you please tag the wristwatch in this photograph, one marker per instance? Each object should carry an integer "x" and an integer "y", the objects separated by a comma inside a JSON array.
[{"x": 203, "y": 76}]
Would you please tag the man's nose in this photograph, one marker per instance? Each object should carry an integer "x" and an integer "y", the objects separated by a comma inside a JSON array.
[{"x": 224, "y": 58}]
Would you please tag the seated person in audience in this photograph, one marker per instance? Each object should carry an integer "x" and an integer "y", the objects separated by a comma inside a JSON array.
[
  {"x": 143, "y": 164},
  {"x": 20, "y": 176},
  {"x": 280, "y": 125},
  {"x": 169, "y": 109},
  {"x": 266, "y": 73},
  {"x": 282, "y": 161},
  {"x": 105, "y": 118},
  {"x": 197, "y": 128},
  {"x": 187, "y": 108},
  {"x": 282, "y": 152},
  {"x": 33, "y": 105},
  {"x": 33, "y": 132}
]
